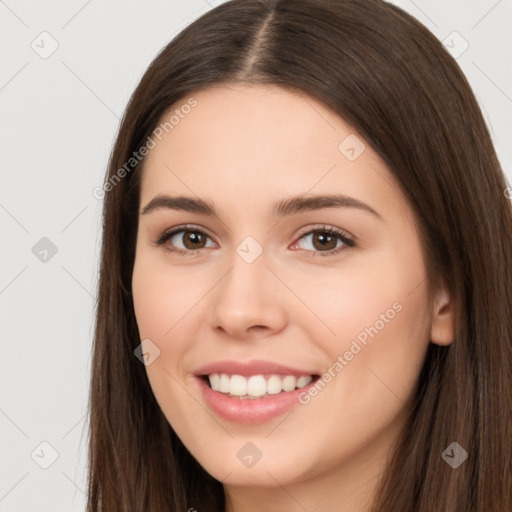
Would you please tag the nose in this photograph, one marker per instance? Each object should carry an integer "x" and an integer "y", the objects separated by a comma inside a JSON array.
[{"x": 249, "y": 301}]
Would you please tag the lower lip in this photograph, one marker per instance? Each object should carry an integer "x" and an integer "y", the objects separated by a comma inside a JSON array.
[{"x": 250, "y": 411}]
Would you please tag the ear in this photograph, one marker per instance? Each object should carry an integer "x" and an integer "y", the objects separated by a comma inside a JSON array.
[{"x": 443, "y": 319}]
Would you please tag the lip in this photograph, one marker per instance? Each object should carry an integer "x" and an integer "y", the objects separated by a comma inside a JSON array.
[
  {"x": 254, "y": 367},
  {"x": 249, "y": 411}
]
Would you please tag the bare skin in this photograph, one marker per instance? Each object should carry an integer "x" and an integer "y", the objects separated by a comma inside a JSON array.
[{"x": 243, "y": 149}]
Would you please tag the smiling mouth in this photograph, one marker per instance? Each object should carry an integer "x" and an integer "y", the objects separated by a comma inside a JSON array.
[{"x": 255, "y": 386}]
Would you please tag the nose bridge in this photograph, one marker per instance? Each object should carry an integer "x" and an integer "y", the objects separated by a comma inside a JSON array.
[
  {"x": 248, "y": 278},
  {"x": 247, "y": 295}
]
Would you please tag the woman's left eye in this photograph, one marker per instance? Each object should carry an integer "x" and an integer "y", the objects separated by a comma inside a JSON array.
[{"x": 324, "y": 241}]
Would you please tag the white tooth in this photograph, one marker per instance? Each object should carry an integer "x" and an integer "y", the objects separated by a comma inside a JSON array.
[
  {"x": 214, "y": 379},
  {"x": 304, "y": 381},
  {"x": 238, "y": 385},
  {"x": 224, "y": 383},
  {"x": 288, "y": 383},
  {"x": 274, "y": 385},
  {"x": 256, "y": 385}
]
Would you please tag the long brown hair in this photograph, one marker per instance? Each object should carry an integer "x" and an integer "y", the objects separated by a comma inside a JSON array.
[{"x": 391, "y": 79}]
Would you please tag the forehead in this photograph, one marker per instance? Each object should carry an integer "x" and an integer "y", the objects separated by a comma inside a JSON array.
[
  {"x": 242, "y": 117},
  {"x": 259, "y": 143}
]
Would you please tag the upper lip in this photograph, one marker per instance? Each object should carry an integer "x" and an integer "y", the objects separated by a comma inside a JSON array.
[{"x": 248, "y": 368}]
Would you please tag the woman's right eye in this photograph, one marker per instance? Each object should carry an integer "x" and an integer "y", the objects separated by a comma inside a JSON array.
[{"x": 191, "y": 240}]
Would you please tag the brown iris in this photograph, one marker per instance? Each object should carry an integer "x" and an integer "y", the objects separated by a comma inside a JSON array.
[
  {"x": 194, "y": 238},
  {"x": 323, "y": 240}
]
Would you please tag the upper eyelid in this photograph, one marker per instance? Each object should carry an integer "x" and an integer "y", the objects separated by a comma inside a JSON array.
[{"x": 187, "y": 227}]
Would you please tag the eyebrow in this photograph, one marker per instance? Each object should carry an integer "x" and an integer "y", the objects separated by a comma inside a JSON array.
[{"x": 288, "y": 206}]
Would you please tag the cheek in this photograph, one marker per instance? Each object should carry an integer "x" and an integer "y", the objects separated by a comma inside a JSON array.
[
  {"x": 339, "y": 304},
  {"x": 156, "y": 301},
  {"x": 170, "y": 304},
  {"x": 374, "y": 315},
  {"x": 161, "y": 296}
]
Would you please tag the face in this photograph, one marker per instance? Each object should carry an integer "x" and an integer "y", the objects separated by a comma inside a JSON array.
[{"x": 322, "y": 301}]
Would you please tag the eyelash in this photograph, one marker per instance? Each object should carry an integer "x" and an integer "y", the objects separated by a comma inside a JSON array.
[{"x": 347, "y": 241}]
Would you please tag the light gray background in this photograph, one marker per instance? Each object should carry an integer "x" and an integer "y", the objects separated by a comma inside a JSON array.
[{"x": 60, "y": 115}]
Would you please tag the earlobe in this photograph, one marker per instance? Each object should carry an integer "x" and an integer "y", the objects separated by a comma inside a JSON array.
[{"x": 443, "y": 319}]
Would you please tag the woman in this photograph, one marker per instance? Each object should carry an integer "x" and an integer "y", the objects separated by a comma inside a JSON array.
[{"x": 305, "y": 284}]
